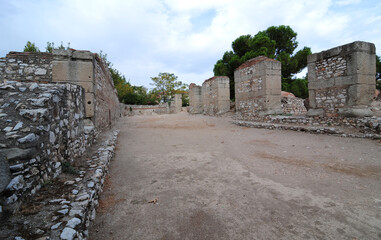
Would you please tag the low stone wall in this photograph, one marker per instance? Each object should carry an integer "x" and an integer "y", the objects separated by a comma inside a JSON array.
[
  {"x": 293, "y": 106},
  {"x": 42, "y": 126},
  {"x": 130, "y": 110},
  {"x": 369, "y": 127},
  {"x": 26, "y": 66}
]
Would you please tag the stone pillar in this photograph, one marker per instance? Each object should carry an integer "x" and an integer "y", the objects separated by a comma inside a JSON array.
[
  {"x": 341, "y": 80},
  {"x": 216, "y": 95},
  {"x": 176, "y": 104},
  {"x": 76, "y": 67},
  {"x": 258, "y": 87},
  {"x": 195, "y": 99}
]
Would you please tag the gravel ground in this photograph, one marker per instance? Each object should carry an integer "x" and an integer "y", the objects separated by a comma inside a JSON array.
[{"x": 197, "y": 177}]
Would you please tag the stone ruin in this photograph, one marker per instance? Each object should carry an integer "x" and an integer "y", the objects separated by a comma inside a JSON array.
[
  {"x": 213, "y": 98},
  {"x": 195, "y": 99},
  {"x": 342, "y": 80},
  {"x": 52, "y": 107},
  {"x": 258, "y": 87}
]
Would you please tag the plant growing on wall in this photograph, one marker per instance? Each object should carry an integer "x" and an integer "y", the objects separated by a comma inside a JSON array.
[{"x": 31, "y": 47}]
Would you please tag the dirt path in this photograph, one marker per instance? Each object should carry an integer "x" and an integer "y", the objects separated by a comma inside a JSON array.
[{"x": 215, "y": 180}]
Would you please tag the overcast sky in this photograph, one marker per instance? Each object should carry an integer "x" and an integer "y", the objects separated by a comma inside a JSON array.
[{"x": 145, "y": 37}]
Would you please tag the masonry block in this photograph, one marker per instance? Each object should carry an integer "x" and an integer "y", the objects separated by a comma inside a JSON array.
[
  {"x": 258, "y": 87},
  {"x": 342, "y": 78}
]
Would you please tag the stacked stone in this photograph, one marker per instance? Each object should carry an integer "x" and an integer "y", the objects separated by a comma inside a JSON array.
[
  {"x": 41, "y": 126},
  {"x": 293, "y": 106},
  {"x": 68, "y": 217},
  {"x": 216, "y": 95},
  {"x": 195, "y": 99},
  {"x": 369, "y": 127},
  {"x": 26, "y": 66},
  {"x": 341, "y": 80},
  {"x": 258, "y": 87}
]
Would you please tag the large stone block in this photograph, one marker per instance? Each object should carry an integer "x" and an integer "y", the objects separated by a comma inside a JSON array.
[{"x": 345, "y": 70}]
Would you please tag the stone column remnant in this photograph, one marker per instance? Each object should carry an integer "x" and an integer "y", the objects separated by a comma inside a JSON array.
[
  {"x": 195, "y": 99},
  {"x": 342, "y": 80},
  {"x": 258, "y": 87},
  {"x": 216, "y": 95}
]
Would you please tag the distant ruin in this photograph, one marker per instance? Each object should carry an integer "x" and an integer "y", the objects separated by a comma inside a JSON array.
[{"x": 212, "y": 98}]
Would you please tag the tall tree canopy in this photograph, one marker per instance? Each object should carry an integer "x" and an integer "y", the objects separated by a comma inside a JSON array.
[{"x": 275, "y": 42}]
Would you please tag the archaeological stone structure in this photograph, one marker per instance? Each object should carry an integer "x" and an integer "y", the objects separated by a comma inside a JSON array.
[
  {"x": 195, "y": 99},
  {"x": 212, "y": 98},
  {"x": 258, "y": 87},
  {"x": 68, "y": 66},
  {"x": 342, "y": 80},
  {"x": 52, "y": 107}
]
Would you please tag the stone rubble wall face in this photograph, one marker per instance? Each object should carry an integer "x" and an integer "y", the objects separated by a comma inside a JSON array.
[
  {"x": 293, "y": 106},
  {"x": 342, "y": 78},
  {"x": 26, "y": 66},
  {"x": 131, "y": 110},
  {"x": 41, "y": 127},
  {"x": 195, "y": 99},
  {"x": 257, "y": 87}
]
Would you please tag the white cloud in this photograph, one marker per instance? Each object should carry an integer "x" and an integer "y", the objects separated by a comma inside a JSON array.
[{"x": 143, "y": 38}]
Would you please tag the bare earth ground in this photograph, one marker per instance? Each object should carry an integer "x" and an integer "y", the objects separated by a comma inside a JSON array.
[{"x": 215, "y": 180}]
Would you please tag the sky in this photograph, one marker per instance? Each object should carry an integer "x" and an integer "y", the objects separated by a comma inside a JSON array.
[{"x": 145, "y": 37}]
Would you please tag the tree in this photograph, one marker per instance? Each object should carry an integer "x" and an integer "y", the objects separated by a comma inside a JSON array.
[
  {"x": 275, "y": 42},
  {"x": 30, "y": 47},
  {"x": 166, "y": 85}
]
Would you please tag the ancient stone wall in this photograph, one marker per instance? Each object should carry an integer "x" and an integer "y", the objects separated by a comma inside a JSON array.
[
  {"x": 107, "y": 106},
  {"x": 131, "y": 110},
  {"x": 292, "y": 105},
  {"x": 42, "y": 126},
  {"x": 68, "y": 66},
  {"x": 342, "y": 80},
  {"x": 216, "y": 95},
  {"x": 258, "y": 87},
  {"x": 195, "y": 99},
  {"x": 26, "y": 66}
]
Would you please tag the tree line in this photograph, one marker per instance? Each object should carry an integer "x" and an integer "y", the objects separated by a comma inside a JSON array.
[{"x": 277, "y": 42}]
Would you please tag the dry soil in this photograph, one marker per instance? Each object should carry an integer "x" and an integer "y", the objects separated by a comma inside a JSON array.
[{"x": 197, "y": 177}]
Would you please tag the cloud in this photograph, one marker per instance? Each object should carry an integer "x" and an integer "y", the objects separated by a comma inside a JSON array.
[{"x": 143, "y": 38}]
